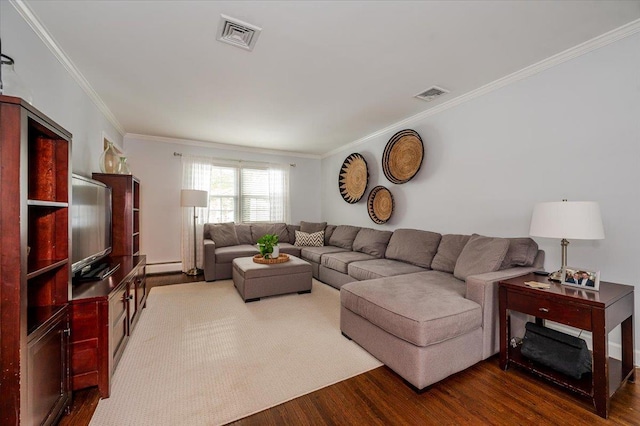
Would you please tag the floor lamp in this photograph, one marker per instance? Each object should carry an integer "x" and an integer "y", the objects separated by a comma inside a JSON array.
[{"x": 194, "y": 198}]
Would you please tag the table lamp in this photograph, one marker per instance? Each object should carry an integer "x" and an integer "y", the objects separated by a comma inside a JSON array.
[
  {"x": 575, "y": 220},
  {"x": 194, "y": 198}
]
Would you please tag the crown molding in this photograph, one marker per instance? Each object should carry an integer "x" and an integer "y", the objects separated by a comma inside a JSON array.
[
  {"x": 217, "y": 145},
  {"x": 557, "y": 59},
  {"x": 27, "y": 14}
]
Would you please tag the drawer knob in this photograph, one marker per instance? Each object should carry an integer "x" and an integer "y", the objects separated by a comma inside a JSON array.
[{"x": 543, "y": 309}]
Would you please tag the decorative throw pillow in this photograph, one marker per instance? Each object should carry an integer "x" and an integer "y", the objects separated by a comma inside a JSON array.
[
  {"x": 304, "y": 239},
  {"x": 223, "y": 234},
  {"x": 480, "y": 255}
]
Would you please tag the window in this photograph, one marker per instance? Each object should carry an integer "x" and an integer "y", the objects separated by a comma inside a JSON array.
[
  {"x": 240, "y": 192},
  {"x": 223, "y": 194}
]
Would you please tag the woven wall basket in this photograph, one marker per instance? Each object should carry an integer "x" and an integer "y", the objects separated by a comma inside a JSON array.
[
  {"x": 353, "y": 178},
  {"x": 402, "y": 156},
  {"x": 380, "y": 204}
]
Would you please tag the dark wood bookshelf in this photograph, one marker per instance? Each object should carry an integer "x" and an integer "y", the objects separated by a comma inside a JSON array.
[{"x": 35, "y": 156}]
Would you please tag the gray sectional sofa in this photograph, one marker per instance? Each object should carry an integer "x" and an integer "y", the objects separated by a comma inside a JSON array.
[{"x": 423, "y": 303}]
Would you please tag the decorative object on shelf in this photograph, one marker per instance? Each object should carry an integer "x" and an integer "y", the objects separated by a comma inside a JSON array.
[
  {"x": 353, "y": 178},
  {"x": 123, "y": 167},
  {"x": 194, "y": 198},
  {"x": 10, "y": 83},
  {"x": 581, "y": 277},
  {"x": 380, "y": 204},
  {"x": 576, "y": 220},
  {"x": 268, "y": 246},
  {"x": 109, "y": 159},
  {"x": 402, "y": 157},
  {"x": 258, "y": 258}
]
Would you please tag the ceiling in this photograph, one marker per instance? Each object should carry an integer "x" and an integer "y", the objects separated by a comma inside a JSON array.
[{"x": 322, "y": 74}]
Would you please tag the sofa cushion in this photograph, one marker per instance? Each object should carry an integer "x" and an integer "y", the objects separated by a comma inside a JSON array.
[
  {"x": 480, "y": 255},
  {"x": 223, "y": 234},
  {"x": 449, "y": 249},
  {"x": 244, "y": 233},
  {"x": 343, "y": 236},
  {"x": 413, "y": 246},
  {"x": 304, "y": 239},
  {"x": 422, "y": 308},
  {"x": 314, "y": 254},
  {"x": 227, "y": 254},
  {"x": 289, "y": 248},
  {"x": 279, "y": 229},
  {"x": 291, "y": 229},
  {"x": 522, "y": 252},
  {"x": 339, "y": 261},
  {"x": 372, "y": 241},
  {"x": 328, "y": 232},
  {"x": 378, "y": 268},
  {"x": 311, "y": 227}
]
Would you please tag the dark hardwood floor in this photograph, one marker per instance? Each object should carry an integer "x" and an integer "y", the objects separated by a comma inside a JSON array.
[{"x": 482, "y": 394}]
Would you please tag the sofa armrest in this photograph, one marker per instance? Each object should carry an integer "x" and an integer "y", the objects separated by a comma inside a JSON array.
[
  {"x": 209, "y": 261},
  {"x": 483, "y": 289}
]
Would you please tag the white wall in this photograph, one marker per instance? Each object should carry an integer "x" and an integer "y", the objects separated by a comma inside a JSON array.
[
  {"x": 160, "y": 174},
  {"x": 572, "y": 131},
  {"x": 55, "y": 92}
]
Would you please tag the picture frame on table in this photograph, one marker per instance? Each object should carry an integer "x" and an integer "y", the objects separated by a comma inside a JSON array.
[{"x": 581, "y": 277}]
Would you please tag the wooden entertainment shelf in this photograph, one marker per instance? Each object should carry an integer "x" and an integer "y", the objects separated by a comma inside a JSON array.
[
  {"x": 125, "y": 211},
  {"x": 35, "y": 155},
  {"x": 103, "y": 316}
]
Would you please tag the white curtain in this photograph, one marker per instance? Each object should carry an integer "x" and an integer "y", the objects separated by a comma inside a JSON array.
[
  {"x": 196, "y": 174},
  {"x": 279, "y": 192}
]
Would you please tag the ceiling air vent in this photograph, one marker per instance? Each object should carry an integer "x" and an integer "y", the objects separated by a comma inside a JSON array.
[
  {"x": 238, "y": 33},
  {"x": 431, "y": 93}
]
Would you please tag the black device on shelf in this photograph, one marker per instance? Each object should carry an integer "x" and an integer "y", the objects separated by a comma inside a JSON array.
[{"x": 95, "y": 272}]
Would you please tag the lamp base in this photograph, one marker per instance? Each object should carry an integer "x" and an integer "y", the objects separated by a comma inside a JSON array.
[{"x": 194, "y": 272}]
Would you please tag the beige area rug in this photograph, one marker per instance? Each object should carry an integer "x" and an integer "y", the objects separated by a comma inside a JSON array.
[{"x": 201, "y": 356}]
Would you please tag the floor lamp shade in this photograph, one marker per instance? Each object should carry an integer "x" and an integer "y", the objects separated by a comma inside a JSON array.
[{"x": 193, "y": 198}]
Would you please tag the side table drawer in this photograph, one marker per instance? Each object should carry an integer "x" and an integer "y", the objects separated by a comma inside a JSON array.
[{"x": 572, "y": 314}]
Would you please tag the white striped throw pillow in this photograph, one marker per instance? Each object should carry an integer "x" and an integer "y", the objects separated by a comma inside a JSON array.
[{"x": 304, "y": 239}]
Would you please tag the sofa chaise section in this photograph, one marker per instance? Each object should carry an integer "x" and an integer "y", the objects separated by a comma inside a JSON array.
[{"x": 428, "y": 325}]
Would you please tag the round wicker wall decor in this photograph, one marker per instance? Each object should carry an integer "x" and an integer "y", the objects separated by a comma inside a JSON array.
[
  {"x": 403, "y": 156},
  {"x": 353, "y": 178},
  {"x": 380, "y": 204}
]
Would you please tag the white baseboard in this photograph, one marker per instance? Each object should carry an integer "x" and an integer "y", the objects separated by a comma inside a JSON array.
[{"x": 162, "y": 268}]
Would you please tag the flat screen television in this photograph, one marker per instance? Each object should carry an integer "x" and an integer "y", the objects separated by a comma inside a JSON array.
[{"x": 90, "y": 226}]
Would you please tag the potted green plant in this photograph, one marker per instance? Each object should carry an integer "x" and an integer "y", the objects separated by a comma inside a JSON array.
[{"x": 268, "y": 246}]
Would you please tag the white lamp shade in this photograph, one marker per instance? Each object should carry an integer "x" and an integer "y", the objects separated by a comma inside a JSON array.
[
  {"x": 573, "y": 220},
  {"x": 193, "y": 198}
]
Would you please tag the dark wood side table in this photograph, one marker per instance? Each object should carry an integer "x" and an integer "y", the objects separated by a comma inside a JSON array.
[{"x": 595, "y": 311}]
